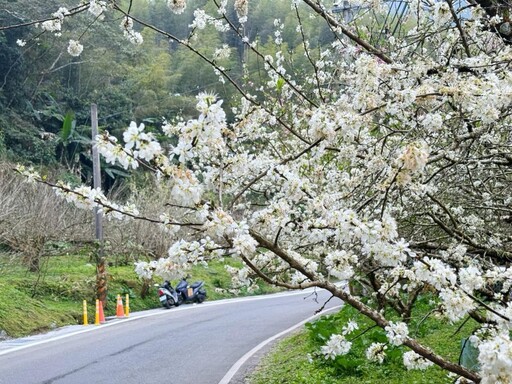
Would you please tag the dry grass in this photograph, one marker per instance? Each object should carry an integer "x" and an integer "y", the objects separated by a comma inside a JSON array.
[{"x": 33, "y": 216}]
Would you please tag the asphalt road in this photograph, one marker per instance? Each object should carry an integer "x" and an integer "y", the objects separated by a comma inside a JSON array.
[{"x": 192, "y": 344}]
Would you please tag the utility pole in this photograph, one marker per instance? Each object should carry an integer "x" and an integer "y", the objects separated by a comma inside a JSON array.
[
  {"x": 346, "y": 10},
  {"x": 101, "y": 273}
]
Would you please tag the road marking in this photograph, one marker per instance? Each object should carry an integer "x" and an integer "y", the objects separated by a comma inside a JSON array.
[
  {"x": 236, "y": 367},
  {"x": 32, "y": 341}
]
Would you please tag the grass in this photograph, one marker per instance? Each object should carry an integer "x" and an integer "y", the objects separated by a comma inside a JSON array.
[
  {"x": 36, "y": 302},
  {"x": 296, "y": 359}
]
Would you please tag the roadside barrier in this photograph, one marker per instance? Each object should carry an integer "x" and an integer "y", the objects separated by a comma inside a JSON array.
[
  {"x": 100, "y": 317},
  {"x": 119, "y": 309},
  {"x": 127, "y": 306},
  {"x": 85, "y": 313},
  {"x": 97, "y": 314}
]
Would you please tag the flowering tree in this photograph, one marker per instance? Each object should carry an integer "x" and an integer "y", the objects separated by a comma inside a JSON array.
[{"x": 384, "y": 165}]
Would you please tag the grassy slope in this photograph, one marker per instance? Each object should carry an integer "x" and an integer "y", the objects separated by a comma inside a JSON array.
[
  {"x": 31, "y": 302},
  {"x": 288, "y": 361}
]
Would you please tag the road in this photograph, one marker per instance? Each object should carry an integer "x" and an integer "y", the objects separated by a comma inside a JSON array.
[{"x": 192, "y": 344}]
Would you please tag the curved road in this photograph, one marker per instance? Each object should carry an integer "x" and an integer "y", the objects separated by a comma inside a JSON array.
[{"x": 192, "y": 344}]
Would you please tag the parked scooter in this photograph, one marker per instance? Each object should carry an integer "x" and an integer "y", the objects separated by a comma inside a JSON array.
[
  {"x": 194, "y": 293},
  {"x": 168, "y": 295}
]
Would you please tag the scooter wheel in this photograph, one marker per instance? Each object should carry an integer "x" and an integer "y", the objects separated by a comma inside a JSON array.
[
  {"x": 169, "y": 303},
  {"x": 200, "y": 298}
]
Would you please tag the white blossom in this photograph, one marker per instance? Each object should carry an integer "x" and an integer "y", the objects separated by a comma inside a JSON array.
[
  {"x": 177, "y": 6},
  {"x": 495, "y": 358},
  {"x": 397, "y": 332},
  {"x": 337, "y": 345},
  {"x": 376, "y": 352},
  {"x": 241, "y": 8},
  {"x": 75, "y": 48},
  {"x": 97, "y": 7},
  {"x": 456, "y": 304},
  {"x": 414, "y": 361}
]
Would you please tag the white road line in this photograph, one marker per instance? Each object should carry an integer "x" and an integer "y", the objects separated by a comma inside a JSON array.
[
  {"x": 234, "y": 369},
  {"x": 134, "y": 316}
]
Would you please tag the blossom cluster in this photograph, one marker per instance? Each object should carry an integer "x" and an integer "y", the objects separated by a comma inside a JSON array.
[
  {"x": 337, "y": 345},
  {"x": 376, "y": 352},
  {"x": 414, "y": 361},
  {"x": 397, "y": 332},
  {"x": 131, "y": 35}
]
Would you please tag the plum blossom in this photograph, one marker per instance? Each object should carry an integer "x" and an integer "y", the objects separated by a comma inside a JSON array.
[
  {"x": 131, "y": 35},
  {"x": 244, "y": 244},
  {"x": 433, "y": 121},
  {"x": 30, "y": 174},
  {"x": 220, "y": 223},
  {"x": 435, "y": 272},
  {"x": 376, "y": 352},
  {"x": 412, "y": 161},
  {"x": 397, "y": 332},
  {"x": 495, "y": 358},
  {"x": 53, "y": 25},
  {"x": 441, "y": 13},
  {"x": 186, "y": 190},
  {"x": 350, "y": 327},
  {"x": 241, "y": 8},
  {"x": 337, "y": 345},
  {"x": 143, "y": 144},
  {"x": 456, "y": 304},
  {"x": 471, "y": 278},
  {"x": 201, "y": 19},
  {"x": 414, "y": 361},
  {"x": 239, "y": 276},
  {"x": 97, "y": 7},
  {"x": 75, "y": 48},
  {"x": 414, "y": 157},
  {"x": 340, "y": 264},
  {"x": 177, "y": 6},
  {"x": 144, "y": 269}
]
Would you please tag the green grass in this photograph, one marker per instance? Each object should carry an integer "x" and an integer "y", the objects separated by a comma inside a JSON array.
[
  {"x": 37, "y": 302},
  {"x": 296, "y": 359}
]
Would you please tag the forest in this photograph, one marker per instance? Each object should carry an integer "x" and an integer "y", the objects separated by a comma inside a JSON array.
[{"x": 41, "y": 84}]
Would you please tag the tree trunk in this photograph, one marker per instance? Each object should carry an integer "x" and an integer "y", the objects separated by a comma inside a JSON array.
[{"x": 101, "y": 281}]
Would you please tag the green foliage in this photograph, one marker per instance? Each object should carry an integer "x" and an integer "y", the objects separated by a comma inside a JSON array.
[
  {"x": 158, "y": 79},
  {"x": 22, "y": 141},
  {"x": 67, "y": 125}
]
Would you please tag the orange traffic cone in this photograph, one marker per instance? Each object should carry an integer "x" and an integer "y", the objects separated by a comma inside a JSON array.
[
  {"x": 102, "y": 315},
  {"x": 119, "y": 309}
]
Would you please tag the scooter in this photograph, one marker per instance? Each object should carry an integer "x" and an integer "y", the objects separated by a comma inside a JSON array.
[
  {"x": 191, "y": 292},
  {"x": 168, "y": 295}
]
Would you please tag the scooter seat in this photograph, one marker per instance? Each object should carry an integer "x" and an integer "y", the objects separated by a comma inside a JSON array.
[{"x": 196, "y": 284}]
